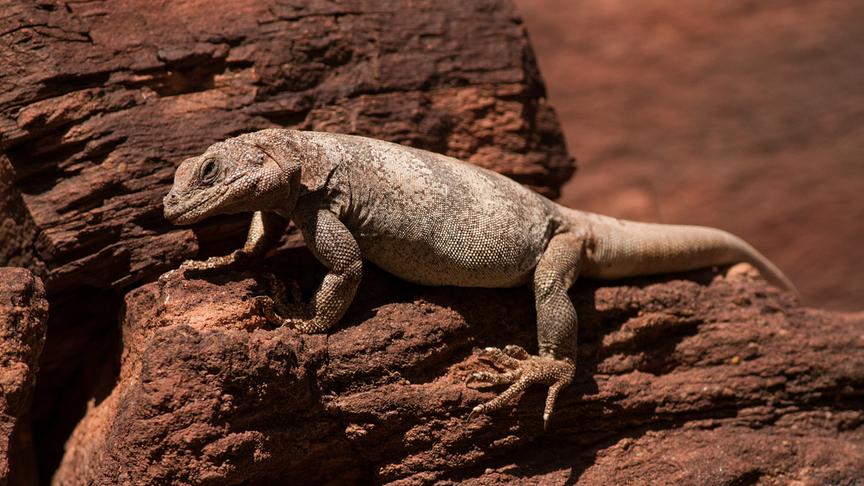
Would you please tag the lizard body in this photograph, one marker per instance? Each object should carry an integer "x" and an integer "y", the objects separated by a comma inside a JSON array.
[{"x": 434, "y": 220}]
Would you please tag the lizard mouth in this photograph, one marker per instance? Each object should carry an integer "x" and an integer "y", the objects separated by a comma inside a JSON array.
[
  {"x": 200, "y": 206},
  {"x": 184, "y": 214},
  {"x": 176, "y": 216}
]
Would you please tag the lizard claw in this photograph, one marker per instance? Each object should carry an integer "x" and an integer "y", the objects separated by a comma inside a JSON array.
[
  {"x": 517, "y": 352},
  {"x": 476, "y": 411},
  {"x": 268, "y": 308},
  {"x": 165, "y": 277},
  {"x": 485, "y": 378},
  {"x": 523, "y": 370}
]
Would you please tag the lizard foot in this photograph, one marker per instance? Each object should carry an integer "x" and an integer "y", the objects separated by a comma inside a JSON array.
[
  {"x": 522, "y": 370},
  {"x": 287, "y": 301},
  {"x": 276, "y": 306},
  {"x": 232, "y": 259}
]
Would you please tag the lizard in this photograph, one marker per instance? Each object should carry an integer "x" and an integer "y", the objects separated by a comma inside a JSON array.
[{"x": 433, "y": 220}]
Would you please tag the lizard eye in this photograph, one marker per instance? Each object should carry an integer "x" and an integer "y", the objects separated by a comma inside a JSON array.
[{"x": 209, "y": 171}]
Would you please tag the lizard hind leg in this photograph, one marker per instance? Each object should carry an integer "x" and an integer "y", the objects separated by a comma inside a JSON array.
[{"x": 556, "y": 332}]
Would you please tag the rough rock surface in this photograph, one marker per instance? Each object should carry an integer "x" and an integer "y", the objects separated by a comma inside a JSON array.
[
  {"x": 99, "y": 101},
  {"x": 741, "y": 114},
  {"x": 721, "y": 380},
  {"x": 23, "y": 319}
]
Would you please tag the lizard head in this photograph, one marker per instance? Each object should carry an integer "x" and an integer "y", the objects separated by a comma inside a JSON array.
[{"x": 251, "y": 172}]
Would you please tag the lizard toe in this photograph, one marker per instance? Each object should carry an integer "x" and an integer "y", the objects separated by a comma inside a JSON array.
[
  {"x": 165, "y": 277},
  {"x": 268, "y": 308},
  {"x": 555, "y": 373},
  {"x": 498, "y": 357},
  {"x": 515, "y": 351},
  {"x": 485, "y": 378}
]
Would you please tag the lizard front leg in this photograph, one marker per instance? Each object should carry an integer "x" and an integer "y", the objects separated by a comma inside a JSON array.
[
  {"x": 335, "y": 247},
  {"x": 556, "y": 332},
  {"x": 264, "y": 231}
]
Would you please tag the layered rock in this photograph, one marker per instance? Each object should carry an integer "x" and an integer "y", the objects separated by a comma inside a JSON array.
[
  {"x": 717, "y": 381},
  {"x": 23, "y": 318}
]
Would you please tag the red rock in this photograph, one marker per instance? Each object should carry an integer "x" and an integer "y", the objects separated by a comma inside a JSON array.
[
  {"x": 718, "y": 382},
  {"x": 23, "y": 316}
]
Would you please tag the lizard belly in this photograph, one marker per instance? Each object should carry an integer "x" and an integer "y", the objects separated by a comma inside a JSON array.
[
  {"x": 474, "y": 253},
  {"x": 427, "y": 266}
]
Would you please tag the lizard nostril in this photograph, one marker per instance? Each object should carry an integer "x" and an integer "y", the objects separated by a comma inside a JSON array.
[{"x": 169, "y": 201}]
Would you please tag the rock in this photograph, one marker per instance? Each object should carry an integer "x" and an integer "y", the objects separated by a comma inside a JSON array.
[
  {"x": 739, "y": 114},
  {"x": 710, "y": 381},
  {"x": 23, "y": 316},
  {"x": 100, "y": 101}
]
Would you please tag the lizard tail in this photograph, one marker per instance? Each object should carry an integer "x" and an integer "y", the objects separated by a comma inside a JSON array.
[{"x": 622, "y": 248}]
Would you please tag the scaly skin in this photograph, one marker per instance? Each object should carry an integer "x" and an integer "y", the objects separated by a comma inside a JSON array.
[{"x": 433, "y": 220}]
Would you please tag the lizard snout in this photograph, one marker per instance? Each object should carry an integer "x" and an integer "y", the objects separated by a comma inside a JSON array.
[
  {"x": 170, "y": 205},
  {"x": 170, "y": 199}
]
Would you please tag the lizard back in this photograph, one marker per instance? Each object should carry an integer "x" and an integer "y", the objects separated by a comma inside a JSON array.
[{"x": 435, "y": 220}]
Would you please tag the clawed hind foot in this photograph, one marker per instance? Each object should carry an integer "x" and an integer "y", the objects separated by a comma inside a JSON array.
[{"x": 521, "y": 371}]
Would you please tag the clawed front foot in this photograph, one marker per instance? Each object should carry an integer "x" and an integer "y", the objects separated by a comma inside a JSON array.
[
  {"x": 212, "y": 263},
  {"x": 522, "y": 370}
]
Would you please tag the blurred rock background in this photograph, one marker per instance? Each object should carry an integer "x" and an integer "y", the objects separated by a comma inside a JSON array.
[{"x": 747, "y": 115}]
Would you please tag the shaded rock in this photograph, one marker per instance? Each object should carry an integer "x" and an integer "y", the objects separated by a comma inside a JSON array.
[
  {"x": 23, "y": 316},
  {"x": 713, "y": 381},
  {"x": 742, "y": 114},
  {"x": 17, "y": 231}
]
